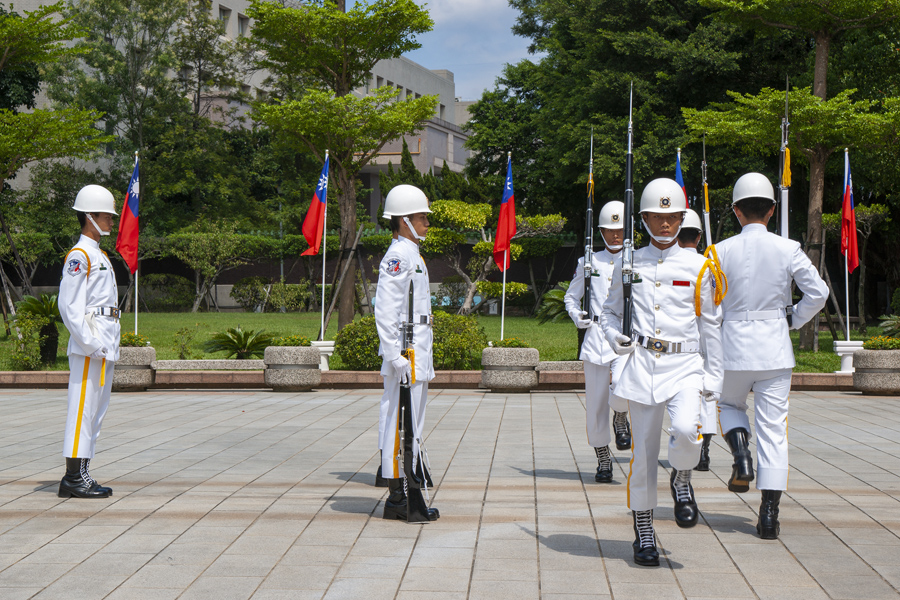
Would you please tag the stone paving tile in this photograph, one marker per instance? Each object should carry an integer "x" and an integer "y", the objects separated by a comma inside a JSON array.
[{"x": 270, "y": 496}]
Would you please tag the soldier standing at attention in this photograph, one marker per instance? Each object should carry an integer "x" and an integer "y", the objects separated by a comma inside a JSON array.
[
  {"x": 675, "y": 360},
  {"x": 601, "y": 365},
  {"x": 759, "y": 355},
  {"x": 407, "y": 208},
  {"x": 689, "y": 239},
  {"x": 88, "y": 301}
]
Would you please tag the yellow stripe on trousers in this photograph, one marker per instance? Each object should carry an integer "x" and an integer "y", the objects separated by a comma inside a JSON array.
[
  {"x": 102, "y": 374},
  {"x": 84, "y": 381}
]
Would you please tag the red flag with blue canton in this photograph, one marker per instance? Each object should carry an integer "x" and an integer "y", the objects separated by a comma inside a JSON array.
[
  {"x": 849, "y": 247},
  {"x": 678, "y": 177},
  {"x": 127, "y": 240},
  {"x": 506, "y": 224},
  {"x": 313, "y": 223}
]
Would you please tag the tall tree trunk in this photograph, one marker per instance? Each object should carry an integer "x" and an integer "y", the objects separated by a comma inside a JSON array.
[
  {"x": 820, "y": 70},
  {"x": 814, "y": 233},
  {"x": 347, "y": 203}
]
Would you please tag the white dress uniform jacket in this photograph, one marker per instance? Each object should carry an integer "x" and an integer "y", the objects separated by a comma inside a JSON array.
[
  {"x": 401, "y": 265},
  {"x": 88, "y": 282},
  {"x": 760, "y": 267},
  {"x": 664, "y": 309},
  {"x": 595, "y": 348}
]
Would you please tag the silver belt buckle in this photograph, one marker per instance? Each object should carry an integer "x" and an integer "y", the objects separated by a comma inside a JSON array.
[{"x": 657, "y": 344}]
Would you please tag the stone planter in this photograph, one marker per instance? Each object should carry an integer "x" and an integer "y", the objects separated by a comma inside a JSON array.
[
  {"x": 135, "y": 369},
  {"x": 877, "y": 372},
  {"x": 509, "y": 369},
  {"x": 292, "y": 368}
]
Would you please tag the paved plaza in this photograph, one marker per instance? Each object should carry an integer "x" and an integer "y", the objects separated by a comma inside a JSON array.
[{"x": 243, "y": 494}]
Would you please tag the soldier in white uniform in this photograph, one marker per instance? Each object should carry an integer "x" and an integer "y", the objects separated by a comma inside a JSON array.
[
  {"x": 601, "y": 365},
  {"x": 380, "y": 481},
  {"x": 674, "y": 360},
  {"x": 407, "y": 207},
  {"x": 689, "y": 239},
  {"x": 759, "y": 356},
  {"x": 88, "y": 306}
]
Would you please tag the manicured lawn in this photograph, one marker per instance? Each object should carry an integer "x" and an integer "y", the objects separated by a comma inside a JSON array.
[{"x": 555, "y": 341}]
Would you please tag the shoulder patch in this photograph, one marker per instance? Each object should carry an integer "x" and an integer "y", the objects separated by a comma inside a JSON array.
[
  {"x": 75, "y": 267},
  {"x": 393, "y": 266}
]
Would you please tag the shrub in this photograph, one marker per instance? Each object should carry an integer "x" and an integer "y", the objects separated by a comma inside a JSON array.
[
  {"x": 458, "y": 342},
  {"x": 164, "y": 292},
  {"x": 512, "y": 342},
  {"x": 291, "y": 340},
  {"x": 184, "y": 339},
  {"x": 553, "y": 305},
  {"x": 882, "y": 343},
  {"x": 239, "y": 343},
  {"x": 46, "y": 308},
  {"x": 291, "y": 296},
  {"x": 250, "y": 293},
  {"x": 890, "y": 325},
  {"x": 357, "y": 345},
  {"x": 26, "y": 355},
  {"x": 454, "y": 288},
  {"x": 134, "y": 340},
  {"x": 260, "y": 294},
  {"x": 895, "y": 302}
]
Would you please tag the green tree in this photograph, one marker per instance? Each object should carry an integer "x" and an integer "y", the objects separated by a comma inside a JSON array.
[{"x": 320, "y": 53}]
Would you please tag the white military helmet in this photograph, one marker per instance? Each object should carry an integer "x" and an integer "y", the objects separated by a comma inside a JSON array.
[
  {"x": 692, "y": 220},
  {"x": 753, "y": 185},
  {"x": 95, "y": 199},
  {"x": 663, "y": 195},
  {"x": 612, "y": 215},
  {"x": 405, "y": 200}
]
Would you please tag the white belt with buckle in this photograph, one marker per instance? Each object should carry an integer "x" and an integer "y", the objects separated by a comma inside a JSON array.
[
  {"x": 657, "y": 345},
  {"x": 106, "y": 311},
  {"x": 424, "y": 320},
  {"x": 754, "y": 315}
]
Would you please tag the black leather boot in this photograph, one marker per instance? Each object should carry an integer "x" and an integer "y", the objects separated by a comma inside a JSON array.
[
  {"x": 742, "y": 470},
  {"x": 686, "y": 512},
  {"x": 77, "y": 482},
  {"x": 622, "y": 429},
  {"x": 703, "y": 465},
  {"x": 379, "y": 480},
  {"x": 604, "y": 465},
  {"x": 395, "y": 505},
  {"x": 768, "y": 526},
  {"x": 645, "y": 552},
  {"x": 87, "y": 468}
]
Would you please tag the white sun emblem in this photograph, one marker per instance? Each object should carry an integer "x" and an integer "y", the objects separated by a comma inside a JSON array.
[
  {"x": 135, "y": 187},
  {"x": 323, "y": 183}
]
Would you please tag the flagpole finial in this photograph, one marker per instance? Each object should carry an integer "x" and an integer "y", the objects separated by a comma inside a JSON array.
[
  {"x": 679, "y": 150},
  {"x": 509, "y": 155},
  {"x": 846, "y": 150},
  {"x": 326, "y": 153}
]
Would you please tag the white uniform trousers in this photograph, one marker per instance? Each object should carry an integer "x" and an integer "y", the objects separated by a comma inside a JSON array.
[
  {"x": 770, "y": 402},
  {"x": 598, "y": 400},
  {"x": 684, "y": 443},
  {"x": 390, "y": 441},
  {"x": 382, "y": 413},
  {"x": 709, "y": 418},
  {"x": 90, "y": 386}
]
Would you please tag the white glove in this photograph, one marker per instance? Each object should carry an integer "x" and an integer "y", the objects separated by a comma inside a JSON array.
[
  {"x": 403, "y": 369},
  {"x": 578, "y": 316},
  {"x": 100, "y": 354},
  {"x": 618, "y": 344},
  {"x": 711, "y": 396}
]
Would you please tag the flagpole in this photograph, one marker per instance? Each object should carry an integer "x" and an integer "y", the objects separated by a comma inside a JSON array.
[
  {"x": 139, "y": 263},
  {"x": 503, "y": 297},
  {"x": 324, "y": 240},
  {"x": 846, "y": 251}
]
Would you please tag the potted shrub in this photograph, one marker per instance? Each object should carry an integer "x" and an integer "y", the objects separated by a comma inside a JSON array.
[
  {"x": 239, "y": 343},
  {"x": 135, "y": 369},
  {"x": 509, "y": 366},
  {"x": 46, "y": 308},
  {"x": 876, "y": 368},
  {"x": 292, "y": 364}
]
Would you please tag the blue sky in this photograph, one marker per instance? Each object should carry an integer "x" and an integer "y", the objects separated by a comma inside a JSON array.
[{"x": 473, "y": 39}]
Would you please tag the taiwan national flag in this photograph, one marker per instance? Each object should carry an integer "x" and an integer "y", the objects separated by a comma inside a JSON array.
[
  {"x": 506, "y": 224},
  {"x": 848, "y": 220},
  {"x": 314, "y": 222},
  {"x": 679, "y": 179},
  {"x": 127, "y": 241}
]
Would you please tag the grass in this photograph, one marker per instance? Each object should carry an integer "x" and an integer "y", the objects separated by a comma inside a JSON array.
[{"x": 555, "y": 341}]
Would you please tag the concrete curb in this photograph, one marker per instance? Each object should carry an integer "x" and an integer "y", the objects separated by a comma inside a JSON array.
[{"x": 254, "y": 379}]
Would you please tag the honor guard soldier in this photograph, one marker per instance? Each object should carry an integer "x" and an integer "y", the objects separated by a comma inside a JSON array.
[
  {"x": 88, "y": 302},
  {"x": 758, "y": 314},
  {"x": 385, "y": 403},
  {"x": 689, "y": 239},
  {"x": 674, "y": 360},
  {"x": 407, "y": 208},
  {"x": 601, "y": 365}
]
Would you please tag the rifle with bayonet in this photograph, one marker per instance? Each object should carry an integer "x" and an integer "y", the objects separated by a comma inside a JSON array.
[
  {"x": 628, "y": 233},
  {"x": 784, "y": 167},
  {"x": 705, "y": 197},
  {"x": 417, "y": 475},
  {"x": 589, "y": 236}
]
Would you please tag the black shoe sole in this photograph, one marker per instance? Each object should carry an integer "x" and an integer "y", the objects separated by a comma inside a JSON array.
[
  {"x": 70, "y": 494},
  {"x": 603, "y": 478},
  {"x": 736, "y": 484},
  {"x": 702, "y": 467},
  {"x": 646, "y": 563},
  {"x": 768, "y": 533}
]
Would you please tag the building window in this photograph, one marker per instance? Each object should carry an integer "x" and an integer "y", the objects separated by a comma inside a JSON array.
[
  {"x": 261, "y": 95},
  {"x": 441, "y": 112},
  {"x": 224, "y": 16},
  {"x": 409, "y": 94},
  {"x": 243, "y": 25},
  {"x": 379, "y": 81}
]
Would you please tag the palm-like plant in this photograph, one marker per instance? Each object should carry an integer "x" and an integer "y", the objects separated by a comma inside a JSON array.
[
  {"x": 890, "y": 325},
  {"x": 553, "y": 305},
  {"x": 47, "y": 308},
  {"x": 239, "y": 343}
]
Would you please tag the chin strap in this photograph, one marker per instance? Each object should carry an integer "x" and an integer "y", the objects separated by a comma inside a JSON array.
[
  {"x": 665, "y": 239},
  {"x": 94, "y": 223},
  {"x": 413, "y": 230},
  {"x": 615, "y": 248}
]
